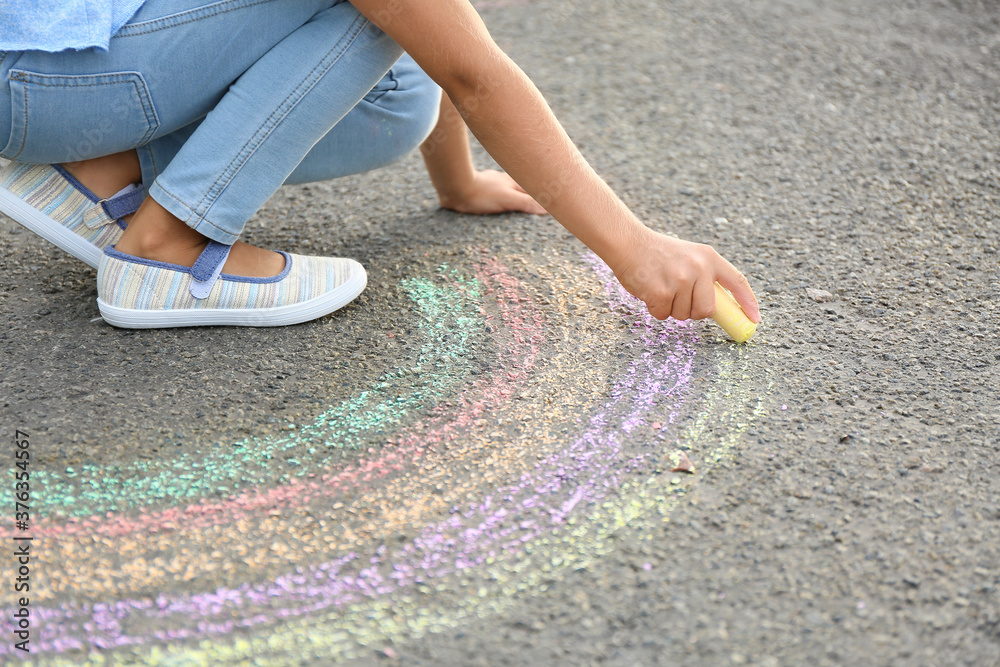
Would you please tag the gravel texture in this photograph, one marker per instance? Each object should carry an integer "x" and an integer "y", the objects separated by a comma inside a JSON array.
[{"x": 844, "y": 508}]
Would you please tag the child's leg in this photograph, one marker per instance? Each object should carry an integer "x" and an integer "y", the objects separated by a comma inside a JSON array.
[
  {"x": 269, "y": 80},
  {"x": 392, "y": 120},
  {"x": 269, "y": 119}
]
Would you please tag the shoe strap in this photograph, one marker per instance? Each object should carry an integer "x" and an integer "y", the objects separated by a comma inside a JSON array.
[
  {"x": 115, "y": 207},
  {"x": 207, "y": 268}
]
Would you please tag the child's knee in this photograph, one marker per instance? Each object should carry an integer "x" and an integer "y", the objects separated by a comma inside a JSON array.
[
  {"x": 427, "y": 97},
  {"x": 413, "y": 100}
]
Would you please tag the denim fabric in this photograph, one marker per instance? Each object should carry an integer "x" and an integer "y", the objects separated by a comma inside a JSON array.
[
  {"x": 393, "y": 118},
  {"x": 224, "y": 101}
]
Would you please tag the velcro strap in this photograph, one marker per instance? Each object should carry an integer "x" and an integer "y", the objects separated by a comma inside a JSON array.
[
  {"x": 106, "y": 211},
  {"x": 125, "y": 202},
  {"x": 207, "y": 268}
]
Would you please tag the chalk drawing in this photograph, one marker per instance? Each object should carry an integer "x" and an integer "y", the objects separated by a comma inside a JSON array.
[{"x": 456, "y": 499}]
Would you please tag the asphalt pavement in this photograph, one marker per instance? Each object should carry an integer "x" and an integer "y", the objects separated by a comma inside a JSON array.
[{"x": 494, "y": 457}]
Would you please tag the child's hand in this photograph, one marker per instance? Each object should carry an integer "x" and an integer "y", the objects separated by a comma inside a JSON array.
[
  {"x": 676, "y": 278},
  {"x": 491, "y": 192},
  {"x": 487, "y": 92}
]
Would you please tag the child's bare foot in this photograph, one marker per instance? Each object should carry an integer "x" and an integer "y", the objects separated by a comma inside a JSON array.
[
  {"x": 106, "y": 176},
  {"x": 156, "y": 234}
]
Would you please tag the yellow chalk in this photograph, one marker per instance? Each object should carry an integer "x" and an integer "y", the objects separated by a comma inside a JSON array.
[{"x": 730, "y": 316}]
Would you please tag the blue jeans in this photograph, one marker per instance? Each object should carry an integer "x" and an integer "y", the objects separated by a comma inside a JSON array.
[{"x": 224, "y": 101}]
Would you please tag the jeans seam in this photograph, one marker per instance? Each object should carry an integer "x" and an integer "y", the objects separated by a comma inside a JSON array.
[
  {"x": 145, "y": 153},
  {"x": 24, "y": 130},
  {"x": 383, "y": 93},
  {"x": 152, "y": 160},
  {"x": 174, "y": 197},
  {"x": 192, "y": 213},
  {"x": 227, "y": 174},
  {"x": 171, "y": 21}
]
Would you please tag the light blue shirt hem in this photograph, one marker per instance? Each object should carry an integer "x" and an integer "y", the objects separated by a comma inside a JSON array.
[{"x": 58, "y": 25}]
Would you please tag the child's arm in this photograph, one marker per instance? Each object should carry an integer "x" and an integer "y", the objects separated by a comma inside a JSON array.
[
  {"x": 459, "y": 186},
  {"x": 507, "y": 114}
]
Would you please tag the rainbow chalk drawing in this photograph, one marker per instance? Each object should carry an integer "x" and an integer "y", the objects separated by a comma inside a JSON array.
[
  {"x": 730, "y": 316},
  {"x": 454, "y": 488}
]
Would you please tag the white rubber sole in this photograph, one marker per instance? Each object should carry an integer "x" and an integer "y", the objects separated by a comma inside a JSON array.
[
  {"x": 24, "y": 214},
  {"x": 280, "y": 316}
]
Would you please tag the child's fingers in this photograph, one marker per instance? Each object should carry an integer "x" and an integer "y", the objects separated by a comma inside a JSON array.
[
  {"x": 519, "y": 200},
  {"x": 682, "y": 305},
  {"x": 517, "y": 186},
  {"x": 529, "y": 204},
  {"x": 736, "y": 282},
  {"x": 662, "y": 310},
  {"x": 510, "y": 179},
  {"x": 704, "y": 299}
]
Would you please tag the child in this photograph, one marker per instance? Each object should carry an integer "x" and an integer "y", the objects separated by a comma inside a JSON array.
[{"x": 215, "y": 106}]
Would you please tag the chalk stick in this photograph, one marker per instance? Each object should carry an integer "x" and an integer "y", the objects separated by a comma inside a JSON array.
[{"x": 730, "y": 316}]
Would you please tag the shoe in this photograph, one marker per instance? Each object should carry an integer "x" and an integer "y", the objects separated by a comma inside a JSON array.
[
  {"x": 138, "y": 293},
  {"x": 50, "y": 202}
]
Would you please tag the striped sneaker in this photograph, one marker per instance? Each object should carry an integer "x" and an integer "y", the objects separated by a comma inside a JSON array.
[
  {"x": 50, "y": 202},
  {"x": 138, "y": 293}
]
